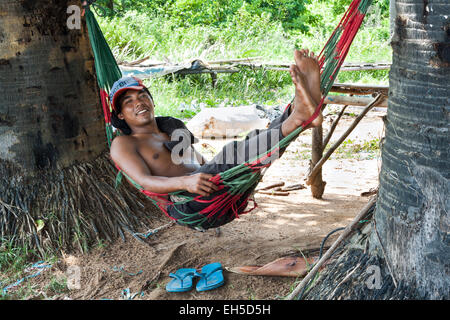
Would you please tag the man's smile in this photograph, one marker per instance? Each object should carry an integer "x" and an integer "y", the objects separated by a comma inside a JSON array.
[{"x": 142, "y": 111}]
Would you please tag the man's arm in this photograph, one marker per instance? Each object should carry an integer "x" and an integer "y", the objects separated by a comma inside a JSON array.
[{"x": 125, "y": 155}]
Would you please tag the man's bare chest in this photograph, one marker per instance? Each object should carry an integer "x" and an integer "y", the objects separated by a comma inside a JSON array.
[
  {"x": 160, "y": 159},
  {"x": 153, "y": 149}
]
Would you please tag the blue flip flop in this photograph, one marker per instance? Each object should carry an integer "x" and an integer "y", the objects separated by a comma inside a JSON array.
[
  {"x": 211, "y": 277},
  {"x": 182, "y": 280}
]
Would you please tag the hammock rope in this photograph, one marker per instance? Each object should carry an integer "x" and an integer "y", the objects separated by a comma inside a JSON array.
[{"x": 239, "y": 180}]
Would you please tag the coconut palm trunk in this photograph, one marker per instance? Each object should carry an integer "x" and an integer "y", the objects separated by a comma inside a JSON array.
[
  {"x": 404, "y": 253},
  {"x": 56, "y": 181},
  {"x": 413, "y": 209}
]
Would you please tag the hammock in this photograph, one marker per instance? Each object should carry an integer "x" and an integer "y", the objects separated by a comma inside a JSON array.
[{"x": 239, "y": 180}]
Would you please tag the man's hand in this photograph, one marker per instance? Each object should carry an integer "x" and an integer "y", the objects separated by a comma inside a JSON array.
[{"x": 199, "y": 183}]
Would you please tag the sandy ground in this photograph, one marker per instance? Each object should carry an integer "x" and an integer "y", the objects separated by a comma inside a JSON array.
[{"x": 280, "y": 226}]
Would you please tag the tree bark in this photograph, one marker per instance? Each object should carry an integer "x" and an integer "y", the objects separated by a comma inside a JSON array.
[
  {"x": 54, "y": 164},
  {"x": 50, "y": 111},
  {"x": 408, "y": 241},
  {"x": 413, "y": 210}
]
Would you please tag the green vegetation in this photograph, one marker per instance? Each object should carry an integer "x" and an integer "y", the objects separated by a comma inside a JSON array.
[
  {"x": 349, "y": 149},
  {"x": 14, "y": 260},
  {"x": 57, "y": 286},
  {"x": 360, "y": 150},
  {"x": 179, "y": 30},
  {"x": 185, "y": 13}
]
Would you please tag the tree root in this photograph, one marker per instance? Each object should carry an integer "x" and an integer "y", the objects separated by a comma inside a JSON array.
[
  {"x": 359, "y": 274},
  {"x": 71, "y": 208}
]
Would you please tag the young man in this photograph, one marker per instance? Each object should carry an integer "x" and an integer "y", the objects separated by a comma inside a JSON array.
[{"x": 149, "y": 150}]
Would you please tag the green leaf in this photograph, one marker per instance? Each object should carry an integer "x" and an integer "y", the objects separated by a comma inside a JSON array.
[
  {"x": 39, "y": 225},
  {"x": 118, "y": 179}
]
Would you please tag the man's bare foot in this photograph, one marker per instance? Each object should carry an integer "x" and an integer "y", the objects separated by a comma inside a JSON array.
[
  {"x": 303, "y": 106},
  {"x": 308, "y": 64},
  {"x": 304, "y": 102}
]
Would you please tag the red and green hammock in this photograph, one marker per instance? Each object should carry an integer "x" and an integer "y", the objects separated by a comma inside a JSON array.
[{"x": 241, "y": 178}]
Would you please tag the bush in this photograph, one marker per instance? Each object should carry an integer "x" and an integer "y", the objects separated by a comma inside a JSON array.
[
  {"x": 292, "y": 14},
  {"x": 178, "y": 30},
  {"x": 339, "y": 6}
]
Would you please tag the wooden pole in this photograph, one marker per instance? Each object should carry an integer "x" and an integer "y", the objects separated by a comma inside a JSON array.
[
  {"x": 317, "y": 184},
  {"x": 283, "y": 66},
  {"x": 330, "y": 251},
  {"x": 211, "y": 70},
  {"x": 257, "y": 65},
  {"x": 135, "y": 62},
  {"x": 317, "y": 168},
  {"x": 333, "y": 127},
  {"x": 359, "y": 89},
  {"x": 353, "y": 101},
  {"x": 233, "y": 60}
]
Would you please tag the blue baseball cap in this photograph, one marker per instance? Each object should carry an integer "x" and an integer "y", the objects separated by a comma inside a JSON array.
[{"x": 123, "y": 84}]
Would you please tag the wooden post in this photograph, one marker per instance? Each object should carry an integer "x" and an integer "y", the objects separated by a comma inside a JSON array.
[
  {"x": 213, "y": 79},
  {"x": 316, "y": 169},
  {"x": 317, "y": 184}
]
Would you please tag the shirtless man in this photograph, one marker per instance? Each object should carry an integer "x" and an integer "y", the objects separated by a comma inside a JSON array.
[{"x": 143, "y": 152}]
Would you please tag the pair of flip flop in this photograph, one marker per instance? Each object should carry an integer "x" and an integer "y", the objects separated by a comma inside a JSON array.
[{"x": 211, "y": 277}]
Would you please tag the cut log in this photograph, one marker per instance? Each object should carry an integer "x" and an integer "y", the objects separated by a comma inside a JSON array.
[
  {"x": 359, "y": 89},
  {"x": 355, "y": 101}
]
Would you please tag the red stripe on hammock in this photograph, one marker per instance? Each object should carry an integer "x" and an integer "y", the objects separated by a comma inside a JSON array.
[{"x": 104, "y": 99}]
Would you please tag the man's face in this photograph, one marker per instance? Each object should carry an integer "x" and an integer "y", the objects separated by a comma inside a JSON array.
[{"x": 137, "y": 107}]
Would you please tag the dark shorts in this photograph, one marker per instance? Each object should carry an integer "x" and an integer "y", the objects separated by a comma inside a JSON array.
[{"x": 234, "y": 153}]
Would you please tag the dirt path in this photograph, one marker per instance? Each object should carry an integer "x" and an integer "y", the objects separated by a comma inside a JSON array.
[{"x": 281, "y": 226}]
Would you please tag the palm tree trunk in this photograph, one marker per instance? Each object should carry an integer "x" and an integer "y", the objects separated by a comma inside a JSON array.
[
  {"x": 51, "y": 105},
  {"x": 408, "y": 239},
  {"x": 413, "y": 210},
  {"x": 55, "y": 176}
]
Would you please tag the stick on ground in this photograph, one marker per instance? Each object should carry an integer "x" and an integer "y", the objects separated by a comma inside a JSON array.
[
  {"x": 293, "y": 187},
  {"x": 329, "y": 252},
  {"x": 271, "y": 186},
  {"x": 163, "y": 265},
  {"x": 274, "y": 193}
]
